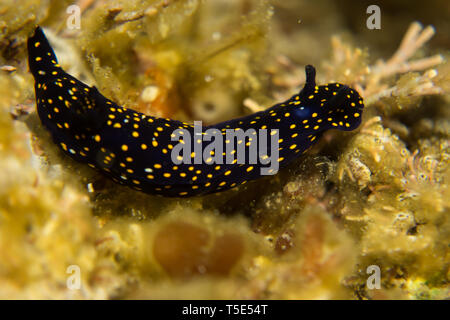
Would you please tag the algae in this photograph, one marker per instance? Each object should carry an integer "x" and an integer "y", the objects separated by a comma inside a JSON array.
[{"x": 375, "y": 196}]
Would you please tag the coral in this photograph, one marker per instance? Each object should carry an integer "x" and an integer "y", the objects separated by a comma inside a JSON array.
[{"x": 375, "y": 196}]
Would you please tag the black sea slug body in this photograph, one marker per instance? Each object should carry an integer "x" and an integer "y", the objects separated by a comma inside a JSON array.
[{"x": 139, "y": 151}]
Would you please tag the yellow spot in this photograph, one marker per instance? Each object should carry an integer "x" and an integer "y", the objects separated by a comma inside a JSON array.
[
  {"x": 124, "y": 147},
  {"x": 183, "y": 193},
  {"x": 207, "y": 184},
  {"x": 287, "y": 114},
  {"x": 314, "y": 115},
  {"x": 135, "y": 134},
  {"x": 280, "y": 159},
  {"x": 167, "y": 175},
  {"x": 38, "y": 59},
  {"x": 182, "y": 174},
  {"x": 97, "y": 138},
  {"x": 294, "y": 135},
  {"x": 117, "y": 125},
  {"x": 159, "y": 129},
  {"x": 305, "y": 121},
  {"x": 356, "y": 115},
  {"x": 249, "y": 169},
  {"x": 311, "y": 96},
  {"x": 56, "y": 110},
  {"x": 293, "y": 146},
  {"x": 63, "y": 145},
  {"x": 316, "y": 127},
  {"x": 222, "y": 183},
  {"x": 37, "y": 44},
  {"x": 194, "y": 178},
  {"x": 129, "y": 159},
  {"x": 228, "y": 172},
  {"x": 143, "y": 146},
  {"x": 150, "y": 176},
  {"x": 157, "y": 166},
  {"x": 292, "y": 126}
]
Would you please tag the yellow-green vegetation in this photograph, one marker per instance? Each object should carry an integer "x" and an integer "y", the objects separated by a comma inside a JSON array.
[{"x": 375, "y": 196}]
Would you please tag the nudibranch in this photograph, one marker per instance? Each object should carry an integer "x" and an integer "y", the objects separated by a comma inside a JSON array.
[{"x": 139, "y": 150}]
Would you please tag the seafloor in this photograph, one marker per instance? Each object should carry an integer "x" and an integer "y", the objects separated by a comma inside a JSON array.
[{"x": 377, "y": 196}]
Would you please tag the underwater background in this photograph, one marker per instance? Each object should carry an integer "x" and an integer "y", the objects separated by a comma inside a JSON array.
[{"x": 362, "y": 215}]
